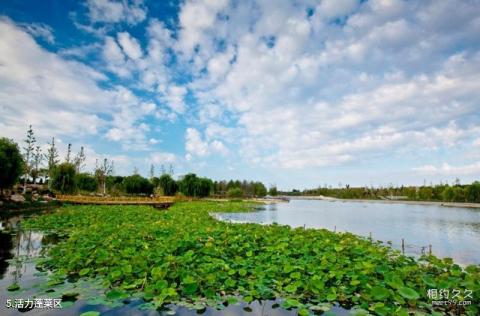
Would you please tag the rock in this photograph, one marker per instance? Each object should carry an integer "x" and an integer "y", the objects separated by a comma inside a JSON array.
[{"x": 17, "y": 198}]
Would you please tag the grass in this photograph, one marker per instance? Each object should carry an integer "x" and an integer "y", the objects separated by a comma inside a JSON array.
[{"x": 184, "y": 256}]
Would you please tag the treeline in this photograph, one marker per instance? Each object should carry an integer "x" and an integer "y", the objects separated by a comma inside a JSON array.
[
  {"x": 442, "y": 192},
  {"x": 237, "y": 188},
  {"x": 68, "y": 176}
]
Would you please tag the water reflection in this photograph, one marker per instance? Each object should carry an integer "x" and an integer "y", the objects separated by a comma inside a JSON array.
[{"x": 452, "y": 232}]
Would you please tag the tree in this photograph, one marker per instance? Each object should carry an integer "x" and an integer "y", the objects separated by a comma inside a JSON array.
[
  {"x": 235, "y": 193},
  {"x": 11, "y": 163},
  {"x": 259, "y": 189},
  {"x": 79, "y": 160},
  {"x": 28, "y": 152},
  {"x": 448, "y": 194},
  {"x": 273, "y": 191},
  {"x": 191, "y": 185},
  {"x": 69, "y": 153},
  {"x": 187, "y": 184},
  {"x": 102, "y": 172},
  {"x": 152, "y": 171},
  {"x": 137, "y": 184},
  {"x": 63, "y": 179},
  {"x": 204, "y": 187},
  {"x": 86, "y": 182},
  {"x": 168, "y": 185},
  {"x": 37, "y": 161},
  {"x": 52, "y": 157},
  {"x": 473, "y": 192}
]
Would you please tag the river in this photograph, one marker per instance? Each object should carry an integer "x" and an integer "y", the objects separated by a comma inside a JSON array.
[{"x": 451, "y": 231}]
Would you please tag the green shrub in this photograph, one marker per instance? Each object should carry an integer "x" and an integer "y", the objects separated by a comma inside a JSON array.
[
  {"x": 473, "y": 192},
  {"x": 168, "y": 185},
  {"x": 86, "y": 182},
  {"x": 235, "y": 193},
  {"x": 137, "y": 184},
  {"x": 191, "y": 185},
  {"x": 63, "y": 179},
  {"x": 11, "y": 163}
]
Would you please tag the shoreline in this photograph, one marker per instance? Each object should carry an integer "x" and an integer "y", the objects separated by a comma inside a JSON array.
[{"x": 434, "y": 203}]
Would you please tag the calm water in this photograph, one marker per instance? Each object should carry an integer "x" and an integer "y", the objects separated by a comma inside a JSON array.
[
  {"x": 452, "y": 232},
  {"x": 18, "y": 250}
]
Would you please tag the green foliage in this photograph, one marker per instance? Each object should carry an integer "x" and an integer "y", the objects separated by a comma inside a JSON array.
[
  {"x": 273, "y": 191},
  {"x": 86, "y": 182},
  {"x": 168, "y": 185},
  {"x": 249, "y": 188},
  {"x": 191, "y": 185},
  {"x": 235, "y": 193},
  {"x": 473, "y": 192},
  {"x": 137, "y": 184},
  {"x": 63, "y": 179},
  {"x": 185, "y": 256},
  {"x": 11, "y": 163},
  {"x": 442, "y": 192},
  {"x": 259, "y": 189}
]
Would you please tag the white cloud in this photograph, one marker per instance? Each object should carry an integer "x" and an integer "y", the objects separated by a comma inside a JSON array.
[
  {"x": 130, "y": 45},
  {"x": 128, "y": 126},
  {"x": 334, "y": 8},
  {"x": 197, "y": 19},
  {"x": 159, "y": 158},
  {"x": 40, "y": 30},
  {"x": 36, "y": 83},
  {"x": 111, "y": 11},
  {"x": 448, "y": 170},
  {"x": 174, "y": 96},
  {"x": 196, "y": 146},
  {"x": 287, "y": 84},
  {"x": 307, "y": 92},
  {"x": 115, "y": 58},
  {"x": 63, "y": 98}
]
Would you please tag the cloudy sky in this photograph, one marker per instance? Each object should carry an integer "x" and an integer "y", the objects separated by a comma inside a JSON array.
[{"x": 292, "y": 93}]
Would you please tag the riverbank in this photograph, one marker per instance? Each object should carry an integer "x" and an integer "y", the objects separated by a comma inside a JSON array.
[{"x": 436, "y": 203}]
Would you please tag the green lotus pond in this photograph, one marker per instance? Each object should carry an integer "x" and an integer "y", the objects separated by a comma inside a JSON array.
[{"x": 185, "y": 256}]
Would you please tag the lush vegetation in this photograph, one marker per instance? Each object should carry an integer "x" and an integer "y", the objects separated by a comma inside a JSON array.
[
  {"x": 137, "y": 184},
  {"x": 183, "y": 255},
  {"x": 63, "y": 178},
  {"x": 191, "y": 185},
  {"x": 11, "y": 164},
  {"x": 248, "y": 188},
  {"x": 68, "y": 175},
  {"x": 235, "y": 193},
  {"x": 455, "y": 192}
]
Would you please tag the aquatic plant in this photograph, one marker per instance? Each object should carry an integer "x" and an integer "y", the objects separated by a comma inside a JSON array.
[{"x": 185, "y": 256}]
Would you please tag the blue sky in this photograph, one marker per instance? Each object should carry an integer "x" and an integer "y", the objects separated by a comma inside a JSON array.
[{"x": 292, "y": 93}]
